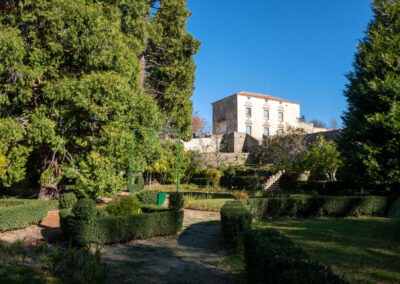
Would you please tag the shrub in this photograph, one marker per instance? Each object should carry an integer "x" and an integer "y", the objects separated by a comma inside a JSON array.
[
  {"x": 275, "y": 193},
  {"x": 288, "y": 182},
  {"x": 335, "y": 206},
  {"x": 228, "y": 178},
  {"x": 123, "y": 206},
  {"x": 139, "y": 183},
  {"x": 118, "y": 229},
  {"x": 147, "y": 197},
  {"x": 241, "y": 195},
  {"x": 68, "y": 200},
  {"x": 85, "y": 209},
  {"x": 71, "y": 265},
  {"x": 18, "y": 214},
  {"x": 213, "y": 176},
  {"x": 176, "y": 201},
  {"x": 272, "y": 258},
  {"x": 249, "y": 183},
  {"x": 234, "y": 220}
]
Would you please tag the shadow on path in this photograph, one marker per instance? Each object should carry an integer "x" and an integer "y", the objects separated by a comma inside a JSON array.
[{"x": 192, "y": 257}]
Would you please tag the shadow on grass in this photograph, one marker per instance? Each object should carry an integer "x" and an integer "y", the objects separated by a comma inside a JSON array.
[{"x": 360, "y": 249}]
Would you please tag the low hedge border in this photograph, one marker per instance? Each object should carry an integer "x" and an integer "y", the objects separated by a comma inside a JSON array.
[
  {"x": 20, "y": 213},
  {"x": 119, "y": 229},
  {"x": 334, "y": 206},
  {"x": 234, "y": 220},
  {"x": 273, "y": 258}
]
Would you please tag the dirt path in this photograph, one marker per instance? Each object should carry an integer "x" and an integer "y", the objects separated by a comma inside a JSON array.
[
  {"x": 48, "y": 230},
  {"x": 192, "y": 256}
]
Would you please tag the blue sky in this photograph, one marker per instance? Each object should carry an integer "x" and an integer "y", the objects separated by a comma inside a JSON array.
[{"x": 301, "y": 49}]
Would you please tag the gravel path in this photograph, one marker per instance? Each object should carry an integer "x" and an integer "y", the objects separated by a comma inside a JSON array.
[{"x": 191, "y": 256}]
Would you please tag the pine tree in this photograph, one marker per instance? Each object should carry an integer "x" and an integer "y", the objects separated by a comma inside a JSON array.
[
  {"x": 70, "y": 92},
  {"x": 371, "y": 139},
  {"x": 169, "y": 64}
]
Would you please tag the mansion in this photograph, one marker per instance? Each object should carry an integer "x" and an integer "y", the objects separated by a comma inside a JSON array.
[{"x": 257, "y": 115}]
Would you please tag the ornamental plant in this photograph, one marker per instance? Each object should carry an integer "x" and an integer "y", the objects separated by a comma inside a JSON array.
[{"x": 213, "y": 177}]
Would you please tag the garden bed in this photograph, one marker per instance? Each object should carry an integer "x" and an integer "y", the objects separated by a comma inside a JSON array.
[
  {"x": 118, "y": 229},
  {"x": 363, "y": 249},
  {"x": 20, "y": 213},
  {"x": 338, "y": 206}
]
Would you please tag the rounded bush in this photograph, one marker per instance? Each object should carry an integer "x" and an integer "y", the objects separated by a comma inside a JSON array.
[
  {"x": 124, "y": 206},
  {"x": 84, "y": 209},
  {"x": 241, "y": 195},
  {"x": 68, "y": 200},
  {"x": 139, "y": 183}
]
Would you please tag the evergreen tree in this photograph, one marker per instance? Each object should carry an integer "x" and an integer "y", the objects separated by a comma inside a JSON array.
[
  {"x": 70, "y": 92},
  {"x": 169, "y": 64},
  {"x": 371, "y": 139}
]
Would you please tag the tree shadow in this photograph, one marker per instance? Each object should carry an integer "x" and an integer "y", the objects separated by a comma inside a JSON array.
[
  {"x": 205, "y": 236},
  {"x": 139, "y": 263}
]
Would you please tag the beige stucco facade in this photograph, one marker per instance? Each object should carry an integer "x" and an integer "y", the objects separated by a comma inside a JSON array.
[{"x": 257, "y": 115}]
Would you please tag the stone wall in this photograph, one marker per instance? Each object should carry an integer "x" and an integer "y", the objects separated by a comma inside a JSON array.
[{"x": 234, "y": 159}]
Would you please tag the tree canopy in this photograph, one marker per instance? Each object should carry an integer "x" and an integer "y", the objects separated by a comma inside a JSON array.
[
  {"x": 71, "y": 88},
  {"x": 371, "y": 139}
]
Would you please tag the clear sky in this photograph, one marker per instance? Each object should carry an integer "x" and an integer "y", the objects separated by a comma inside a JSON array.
[{"x": 301, "y": 49}]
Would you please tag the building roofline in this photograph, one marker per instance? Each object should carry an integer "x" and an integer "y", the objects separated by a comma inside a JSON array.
[{"x": 249, "y": 94}]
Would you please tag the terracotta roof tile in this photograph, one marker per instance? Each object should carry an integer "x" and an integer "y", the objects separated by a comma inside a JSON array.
[{"x": 244, "y": 93}]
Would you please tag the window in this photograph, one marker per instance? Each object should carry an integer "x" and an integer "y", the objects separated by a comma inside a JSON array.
[
  {"x": 280, "y": 116},
  {"x": 248, "y": 98},
  {"x": 266, "y": 114},
  {"x": 248, "y": 112},
  {"x": 280, "y": 132},
  {"x": 266, "y": 131},
  {"x": 280, "y": 102},
  {"x": 266, "y": 100},
  {"x": 248, "y": 129}
]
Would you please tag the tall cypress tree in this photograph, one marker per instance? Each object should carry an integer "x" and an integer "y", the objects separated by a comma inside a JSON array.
[
  {"x": 169, "y": 64},
  {"x": 70, "y": 92},
  {"x": 371, "y": 139}
]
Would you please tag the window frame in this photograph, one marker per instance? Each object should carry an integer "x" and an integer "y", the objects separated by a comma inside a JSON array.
[
  {"x": 280, "y": 119},
  {"x": 248, "y": 113},
  {"x": 266, "y": 111},
  {"x": 248, "y": 127}
]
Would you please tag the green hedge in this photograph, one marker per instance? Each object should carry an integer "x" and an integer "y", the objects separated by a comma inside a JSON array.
[
  {"x": 147, "y": 197},
  {"x": 270, "y": 257},
  {"x": 234, "y": 220},
  {"x": 119, "y": 229},
  {"x": 335, "y": 206},
  {"x": 176, "y": 201},
  {"x": 18, "y": 214}
]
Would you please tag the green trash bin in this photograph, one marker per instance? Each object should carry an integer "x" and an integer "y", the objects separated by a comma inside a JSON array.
[{"x": 161, "y": 198}]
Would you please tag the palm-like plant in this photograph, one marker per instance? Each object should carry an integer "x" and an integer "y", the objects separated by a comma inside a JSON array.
[{"x": 161, "y": 166}]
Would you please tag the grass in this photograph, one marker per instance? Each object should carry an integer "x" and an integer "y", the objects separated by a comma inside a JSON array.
[
  {"x": 365, "y": 249},
  {"x": 206, "y": 204},
  {"x": 23, "y": 274}
]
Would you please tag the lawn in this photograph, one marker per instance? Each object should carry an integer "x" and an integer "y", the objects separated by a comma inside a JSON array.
[
  {"x": 365, "y": 249},
  {"x": 206, "y": 204},
  {"x": 23, "y": 274}
]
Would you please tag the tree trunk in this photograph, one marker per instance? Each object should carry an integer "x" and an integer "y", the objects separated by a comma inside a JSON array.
[
  {"x": 50, "y": 190},
  {"x": 142, "y": 63}
]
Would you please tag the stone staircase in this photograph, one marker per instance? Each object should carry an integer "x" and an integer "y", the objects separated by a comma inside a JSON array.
[{"x": 273, "y": 182}]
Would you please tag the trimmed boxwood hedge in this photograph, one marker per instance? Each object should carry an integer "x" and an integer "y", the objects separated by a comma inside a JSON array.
[
  {"x": 119, "y": 229},
  {"x": 20, "y": 213},
  {"x": 234, "y": 220},
  {"x": 271, "y": 257},
  {"x": 335, "y": 206}
]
